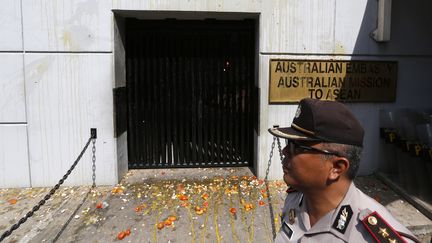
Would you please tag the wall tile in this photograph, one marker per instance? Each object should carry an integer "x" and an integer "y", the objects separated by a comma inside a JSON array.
[
  {"x": 297, "y": 26},
  {"x": 67, "y": 95},
  {"x": 188, "y": 5},
  {"x": 64, "y": 25},
  {"x": 12, "y": 98},
  {"x": 14, "y": 166},
  {"x": 10, "y": 25}
]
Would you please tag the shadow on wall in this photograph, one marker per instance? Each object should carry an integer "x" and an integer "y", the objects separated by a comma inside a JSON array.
[
  {"x": 410, "y": 46},
  {"x": 364, "y": 47},
  {"x": 410, "y": 30}
]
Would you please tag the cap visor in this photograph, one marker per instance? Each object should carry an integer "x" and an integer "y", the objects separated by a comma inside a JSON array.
[{"x": 290, "y": 133}]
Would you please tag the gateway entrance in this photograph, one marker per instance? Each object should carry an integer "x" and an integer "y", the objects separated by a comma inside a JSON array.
[{"x": 190, "y": 93}]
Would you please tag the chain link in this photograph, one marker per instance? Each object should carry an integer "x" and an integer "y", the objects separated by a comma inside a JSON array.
[
  {"x": 94, "y": 163},
  {"x": 270, "y": 158},
  {"x": 268, "y": 189},
  {"x": 275, "y": 139},
  {"x": 48, "y": 196},
  {"x": 280, "y": 149}
]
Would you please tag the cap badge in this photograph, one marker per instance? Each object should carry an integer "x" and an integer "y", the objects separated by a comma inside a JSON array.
[
  {"x": 298, "y": 112},
  {"x": 342, "y": 221}
]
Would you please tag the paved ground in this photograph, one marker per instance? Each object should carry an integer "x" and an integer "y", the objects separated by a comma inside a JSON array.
[{"x": 211, "y": 205}]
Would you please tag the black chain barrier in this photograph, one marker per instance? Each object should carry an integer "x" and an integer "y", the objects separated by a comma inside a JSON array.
[
  {"x": 266, "y": 182},
  {"x": 52, "y": 191}
]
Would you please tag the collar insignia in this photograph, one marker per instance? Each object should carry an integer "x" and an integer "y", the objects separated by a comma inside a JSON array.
[
  {"x": 342, "y": 220},
  {"x": 291, "y": 216}
]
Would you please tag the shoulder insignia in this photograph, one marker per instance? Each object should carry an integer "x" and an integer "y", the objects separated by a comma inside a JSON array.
[
  {"x": 342, "y": 220},
  {"x": 380, "y": 230}
]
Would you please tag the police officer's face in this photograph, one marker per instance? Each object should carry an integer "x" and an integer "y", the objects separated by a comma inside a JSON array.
[{"x": 304, "y": 165}]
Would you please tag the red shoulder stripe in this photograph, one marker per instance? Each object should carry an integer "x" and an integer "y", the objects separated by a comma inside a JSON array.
[{"x": 380, "y": 230}]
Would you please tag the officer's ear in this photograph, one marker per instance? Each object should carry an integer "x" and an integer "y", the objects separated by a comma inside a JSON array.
[{"x": 340, "y": 166}]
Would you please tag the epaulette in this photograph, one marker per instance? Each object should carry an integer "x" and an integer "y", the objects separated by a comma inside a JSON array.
[{"x": 379, "y": 229}]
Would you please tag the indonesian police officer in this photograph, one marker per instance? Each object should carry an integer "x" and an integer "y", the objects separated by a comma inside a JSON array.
[{"x": 321, "y": 160}]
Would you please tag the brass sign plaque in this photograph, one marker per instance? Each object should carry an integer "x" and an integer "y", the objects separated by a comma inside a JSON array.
[{"x": 346, "y": 81}]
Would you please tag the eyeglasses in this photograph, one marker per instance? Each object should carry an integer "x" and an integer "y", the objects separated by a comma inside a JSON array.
[{"x": 295, "y": 148}]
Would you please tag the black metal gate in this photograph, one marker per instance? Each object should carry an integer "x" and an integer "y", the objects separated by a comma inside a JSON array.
[{"x": 190, "y": 87}]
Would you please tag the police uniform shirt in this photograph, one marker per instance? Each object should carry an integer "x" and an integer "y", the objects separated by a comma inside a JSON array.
[{"x": 342, "y": 224}]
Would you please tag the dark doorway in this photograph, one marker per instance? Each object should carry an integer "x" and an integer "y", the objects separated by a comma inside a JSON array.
[{"x": 190, "y": 91}]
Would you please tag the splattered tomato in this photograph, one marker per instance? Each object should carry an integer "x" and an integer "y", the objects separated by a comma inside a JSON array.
[
  {"x": 172, "y": 218},
  {"x": 160, "y": 225},
  {"x": 121, "y": 235},
  {"x": 248, "y": 206},
  {"x": 12, "y": 201}
]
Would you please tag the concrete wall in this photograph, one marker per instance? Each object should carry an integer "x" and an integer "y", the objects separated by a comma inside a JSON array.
[
  {"x": 56, "y": 69},
  {"x": 14, "y": 163},
  {"x": 59, "y": 65}
]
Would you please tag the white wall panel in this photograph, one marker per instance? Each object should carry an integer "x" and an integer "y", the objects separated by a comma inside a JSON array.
[
  {"x": 189, "y": 5},
  {"x": 14, "y": 167},
  {"x": 350, "y": 20},
  {"x": 10, "y": 25},
  {"x": 67, "y": 94},
  {"x": 296, "y": 26},
  {"x": 64, "y": 25},
  {"x": 12, "y": 98}
]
